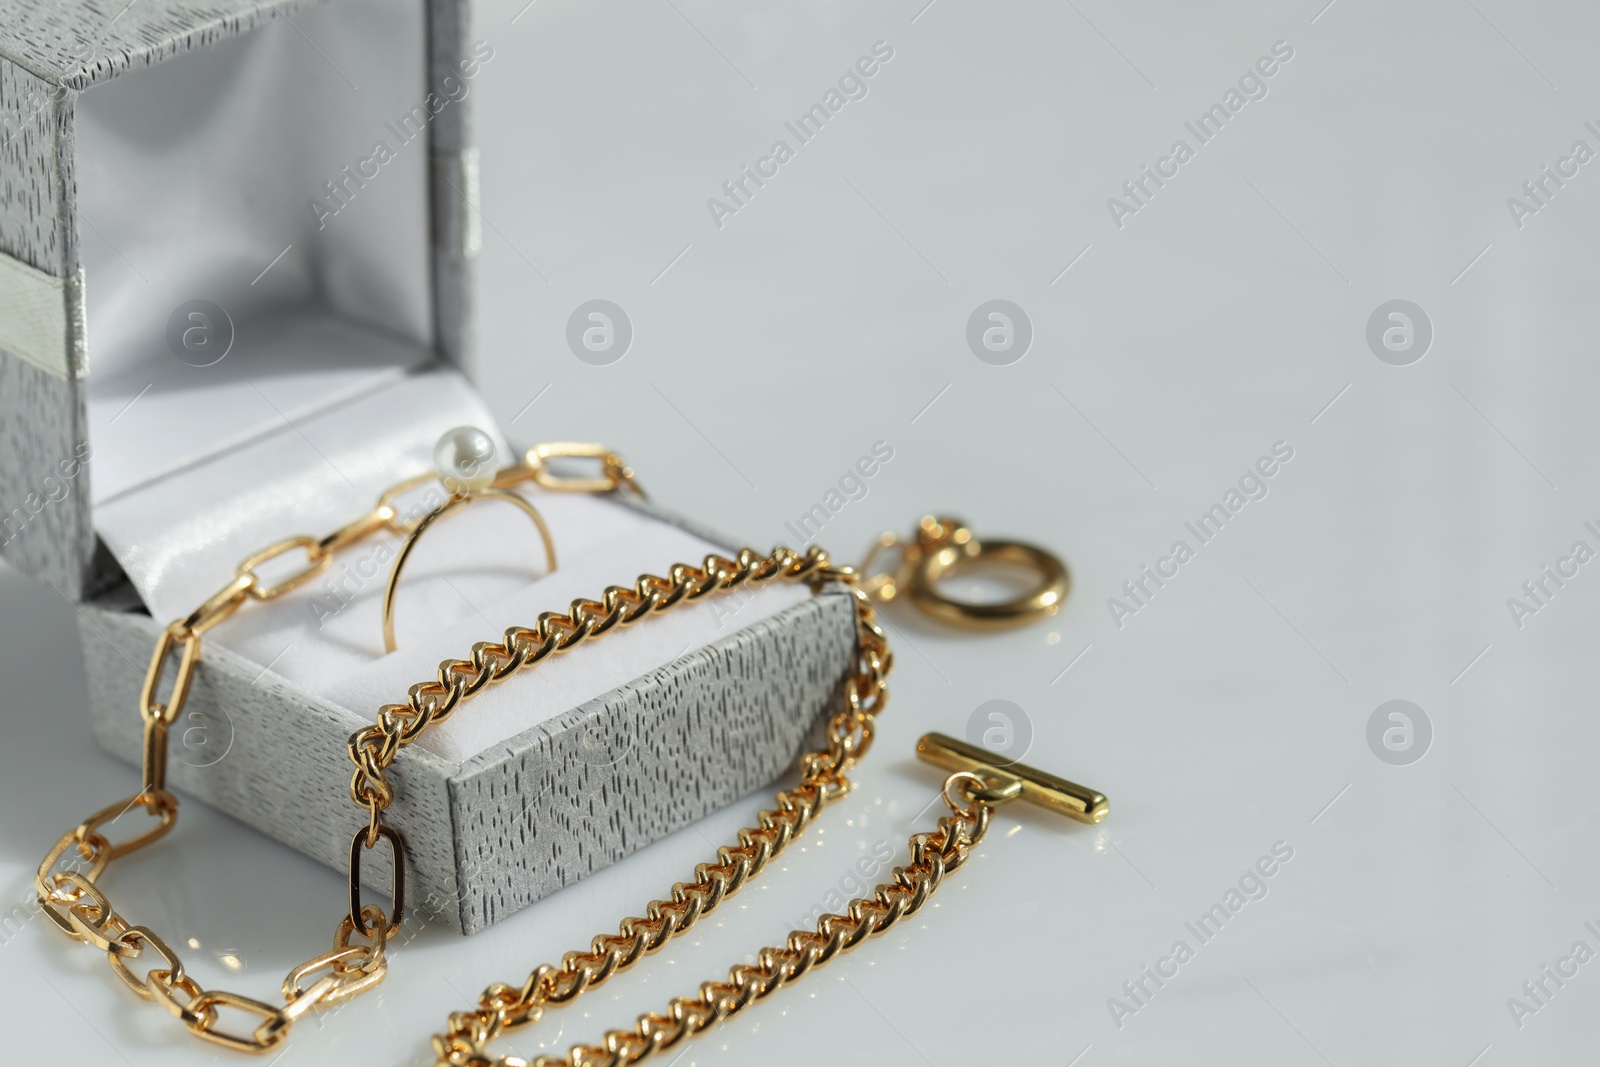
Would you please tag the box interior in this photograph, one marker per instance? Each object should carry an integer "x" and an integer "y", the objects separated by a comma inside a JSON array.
[
  {"x": 196, "y": 180},
  {"x": 476, "y": 573}
]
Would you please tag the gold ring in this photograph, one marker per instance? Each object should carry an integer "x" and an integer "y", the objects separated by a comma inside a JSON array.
[
  {"x": 944, "y": 547},
  {"x": 455, "y": 501}
]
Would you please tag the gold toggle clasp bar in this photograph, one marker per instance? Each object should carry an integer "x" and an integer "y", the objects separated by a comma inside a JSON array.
[{"x": 1036, "y": 786}]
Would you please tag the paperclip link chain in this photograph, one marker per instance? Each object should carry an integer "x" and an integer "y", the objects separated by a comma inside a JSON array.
[{"x": 67, "y": 881}]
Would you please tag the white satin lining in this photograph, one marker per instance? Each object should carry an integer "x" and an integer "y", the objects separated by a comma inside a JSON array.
[{"x": 194, "y": 182}]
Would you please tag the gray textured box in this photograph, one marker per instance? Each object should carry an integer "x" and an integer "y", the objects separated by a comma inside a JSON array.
[
  {"x": 527, "y": 817},
  {"x": 511, "y": 824}
]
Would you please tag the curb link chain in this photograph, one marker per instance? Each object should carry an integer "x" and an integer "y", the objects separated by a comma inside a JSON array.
[
  {"x": 503, "y": 1007},
  {"x": 850, "y": 732}
]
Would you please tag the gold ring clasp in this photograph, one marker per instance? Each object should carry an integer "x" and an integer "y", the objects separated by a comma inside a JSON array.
[
  {"x": 392, "y": 587},
  {"x": 943, "y": 547}
]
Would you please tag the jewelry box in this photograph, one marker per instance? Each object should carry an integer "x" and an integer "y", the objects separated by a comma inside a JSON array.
[{"x": 236, "y": 241}]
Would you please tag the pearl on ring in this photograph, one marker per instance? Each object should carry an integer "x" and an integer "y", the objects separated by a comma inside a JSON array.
[{"x": 464, "y": 459}]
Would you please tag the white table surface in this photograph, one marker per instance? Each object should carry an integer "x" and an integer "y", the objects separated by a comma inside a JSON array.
[{"x": 1228, "y": 715}]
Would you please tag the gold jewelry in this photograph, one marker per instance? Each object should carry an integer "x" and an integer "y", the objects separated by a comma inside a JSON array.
[
  {"x": 392, "y": 586},
  {"x": 74, "y": 901},
  {"x": 943, "y": 547},
  {"x": 971, "y": 793},
  {"x": 464, "y": 461}
]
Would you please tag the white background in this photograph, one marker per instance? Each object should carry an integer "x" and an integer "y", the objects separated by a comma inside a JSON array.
[{"x": 1229, "y": 714}]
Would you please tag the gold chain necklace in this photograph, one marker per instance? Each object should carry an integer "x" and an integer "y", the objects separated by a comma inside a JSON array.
[{"x": 68, "y": 879}]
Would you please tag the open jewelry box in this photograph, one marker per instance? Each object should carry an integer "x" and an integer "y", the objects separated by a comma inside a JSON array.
[{"x": 268, "y": 270}]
